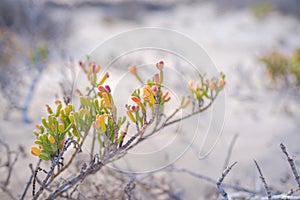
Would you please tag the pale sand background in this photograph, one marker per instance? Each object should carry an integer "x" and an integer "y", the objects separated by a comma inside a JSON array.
[{"x": 234, "y": 39}]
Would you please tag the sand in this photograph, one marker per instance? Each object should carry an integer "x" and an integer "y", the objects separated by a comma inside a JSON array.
[{"x": 262, "y": 117}]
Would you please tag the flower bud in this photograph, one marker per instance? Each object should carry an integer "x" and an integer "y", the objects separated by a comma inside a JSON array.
[
  {"x": 135, "y": 99},
  {"x": 132, "y": 70},
  {"x": 160, "y": 65},
  {"x": 49, "y": 109},
  {"x": 106, "y": 75},
  {"x": 102, "y": 89},
  {"x": 108, "y": 89}
]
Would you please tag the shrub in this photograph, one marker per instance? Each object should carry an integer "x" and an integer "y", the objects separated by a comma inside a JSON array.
[
  {"x": 97, "y": 115},
  {"x": 283, "y": 68}
]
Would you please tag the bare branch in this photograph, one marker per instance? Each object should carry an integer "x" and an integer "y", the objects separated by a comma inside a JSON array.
[
  {"x": 232, "y": 143},
  {"x": 219, "y": 183},
  {"x": 263, "y": 181},
  {"x": 92, "y": 169},
  {"x": 171, "y": 194},
  {"x": 7, "y": 191},
  {"x": 129, "y": 189},
  {"x": 46, "y": 181},
  {"x": 29, "y": 180},
  {"x": 292, "y": 164},
  {"x": 211, "y": 180},
  {"x": 9, "y": 163}
]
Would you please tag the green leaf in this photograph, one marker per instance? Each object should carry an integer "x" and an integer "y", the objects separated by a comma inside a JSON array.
[
  {"x": 44, "y": 157},
  {"x": 39, "y": 142}
]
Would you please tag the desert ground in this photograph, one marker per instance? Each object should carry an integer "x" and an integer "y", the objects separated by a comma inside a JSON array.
[{"x": 259, "y": 113}]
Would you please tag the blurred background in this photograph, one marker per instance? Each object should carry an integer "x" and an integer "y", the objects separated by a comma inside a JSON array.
[{"x": 253, "y": 42}]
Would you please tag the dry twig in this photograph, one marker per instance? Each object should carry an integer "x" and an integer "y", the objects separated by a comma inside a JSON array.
[
  {"x": 263, "y": 181},
  {"x": 219, "y": 183},
  {"x": 232, "y": 143},
  {"x": 292, "y": 164}
]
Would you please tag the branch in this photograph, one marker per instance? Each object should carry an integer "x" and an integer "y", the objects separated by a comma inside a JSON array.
[
  {"x": 54, "y": 164},
  {"x": 7, "y": 191},
  {"x": 9, "y": 164},
  {"x": 188, "y": 116},
  {"x": 93, "y": 168},
  {"x": 292, "y": 164},
  {"x": 232, "y": 143},
  {"x": 211, "y": 180},
  {"x": 219, "y": 183},
  {"x": 72, "y": 156},
  {"x": 167, "y": 123},
  {"x": 30, "y": 179},
  {"x": 263, "y": 181},
  {"x": 281, "y": 197},
  {"x": 152, "y": 185}
]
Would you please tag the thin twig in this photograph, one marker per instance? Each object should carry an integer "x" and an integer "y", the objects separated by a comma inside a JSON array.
[
  {"x": 29, "y": 180},
  {"x": 292, "y": 164},
  {"x": 36, "y": 178},
  {"x": 9, "y": 164},
  {"x": 172, "y": 195},
  {"x": 93, "y": 145},
  {"x": 211, "y": 180},
  {"x": 166, "y": 123},
  {"x": 7, "y": 191},
  {"x": 219, "y": 183},
  {"x": 232, "y": 143},
  {"x": 72, "y": 156},
  {"x": 189, "y": 115},
  {"x": 281, "y": 197},
  {"x": 129, "y": 188},
  {"x": 46, "y": 181},
  {"x": 10, "y": 168},
  {"x": 140, "y": 132},
  {"x": 263, "y": 181},
  {"x": 92, "y": 169}
]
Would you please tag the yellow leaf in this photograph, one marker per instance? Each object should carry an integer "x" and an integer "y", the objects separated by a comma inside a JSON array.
[{"x": 35, "y": 151}]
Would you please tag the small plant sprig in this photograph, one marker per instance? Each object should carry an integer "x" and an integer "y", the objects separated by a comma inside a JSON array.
[
  {"x": 98, "y": 115},
  {"x": 281, "y": 67},
  {"x": 51, "y": 133}
]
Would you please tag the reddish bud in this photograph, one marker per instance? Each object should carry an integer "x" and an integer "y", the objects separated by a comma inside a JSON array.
[
  {"x": 167, "y": 99},
  {"x": 57, "y": 101},
  {"x": 102, "y": 89},
  {"x": 135, "y": 99},
  {"x": 78, "y": 91},
  {"x": 81, "y": 64},
  {"x": 160, "y": 65},
  {"x": 132, "y": 70},
  {"x": 166, "y": 95},
  {"x": 107, "y": 88},
  {"x": 154, "y": 88},
  {"x": 97, "y": 69}
]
